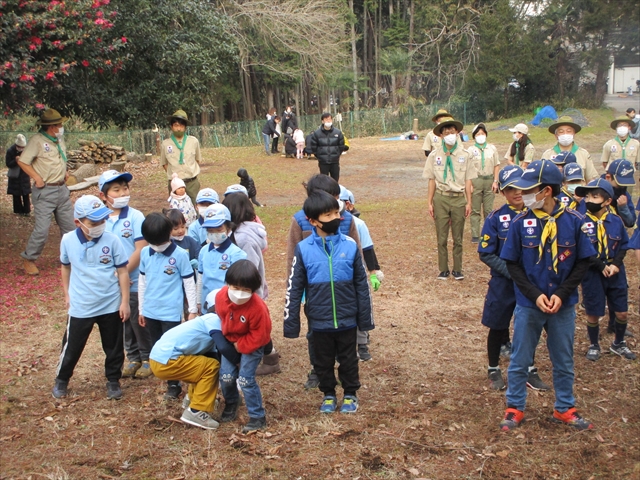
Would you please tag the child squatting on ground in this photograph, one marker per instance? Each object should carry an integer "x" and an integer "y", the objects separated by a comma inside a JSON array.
[
  {"x": 328, "y": 266},
  {"x": 96, "y": 290}
]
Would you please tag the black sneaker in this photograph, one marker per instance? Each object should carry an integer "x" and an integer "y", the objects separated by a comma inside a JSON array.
[
  {"x": 173, "y": 392},
  {"x": 113, "y": 391},
  {"x": 60, "y": 389},
  {"x": 255, "y": 424},
  {"x": 312, "y": 381},
  {"x": 457, "y": 275},
  {"x": 593, "y": 353},
  {"x": 622, "y": 350},
  {"x": 363, "y": 353},
  {"x": 496, "y": 382},
  {"x": 230, "y": 412},
  {"x": 535, "y": 383},
  {"x": 443, "y": 275}
]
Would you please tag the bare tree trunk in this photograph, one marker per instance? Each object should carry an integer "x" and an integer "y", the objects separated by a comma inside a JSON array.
[
  {"x": 246, "y": 97},
  {"x": 365, "y": 51},
  {"x": 394, "y": 95},
  {"x": 602, "y": 71},
  {"x": 354, "y": 59},
  {"x": 377, "y": 53},
  {"x": 407, "y": 80},
  {"x": 270, "y": 103}
]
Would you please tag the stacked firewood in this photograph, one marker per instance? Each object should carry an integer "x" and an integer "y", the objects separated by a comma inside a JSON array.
[{"x": 95, "y": 152}]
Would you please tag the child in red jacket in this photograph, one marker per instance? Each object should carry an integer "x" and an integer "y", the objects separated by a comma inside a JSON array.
[{"x": 247, "y": 324}]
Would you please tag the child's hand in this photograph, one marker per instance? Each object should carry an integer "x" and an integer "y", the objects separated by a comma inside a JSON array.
[
  {"x": 622, "y": 200},
  {"x": 141, "y": 321},
  {"x": 543, "y": 303},
  {"x": 555, "y": 304},
  {"x": 66, "y": 300},
  {"x": 194, "y": 263},
  {"x": 125, "y": 311},
  {"x": 192, "y": 316}
]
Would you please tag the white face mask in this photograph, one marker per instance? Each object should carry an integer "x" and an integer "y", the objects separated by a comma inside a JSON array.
[
  {"x": 160, "y": 248},
  {"x": 119, "y": 202},
  {"x": 328, "y": 125},
  {"x": 565, "y": 140},
  {"x": 94, "y": 232},
  {"x": 60, "y": 132},
  {"x": 481, "y": 139},
  {"x": 572, "y": 188},
  {"x": 239, "y": 297},
  {"x": 341, "y": 205},
  {"x": 177, "y": 238},
  {"x": 201, "y": 210},
  {"x": 451, "y": 139},
  {"x": 530, "y": 201},
  {"x": 622, "y": 131},
  {"x": 515, "y": 137},
  {"x": 217, "y": 238}
]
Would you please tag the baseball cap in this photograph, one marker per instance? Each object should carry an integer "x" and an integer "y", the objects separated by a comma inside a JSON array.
[
  {"x": 207, "y": 195},
  {"x": 210, "y": 300},
  {"x": 346, "y": 195},
  {"x": 236, "y": 188},
  {"x": 573, "y": 171},
  {"x": 91, "y": 207},
  {"x": 592, "y": 185},
  {"x": 537, "y": 173},
  {"x": 109, "y": 176},
  {"x": 564, "y": 157},
  {"x": 216, "y": 215},
  {"x": 508, "y": 175},
  {"x": 622, "y": 171},
  {"x": 520, "y": 128}
]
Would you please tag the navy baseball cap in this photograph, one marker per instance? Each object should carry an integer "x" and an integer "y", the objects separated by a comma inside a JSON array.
[
  {"x": 592, "y": 185},
  {"x": 216, "y": 215},
  {"x": 573, "y": 171},
  {"x": 236, "y": 188},
  {"x": 109, "y": 176},
  {"x": 207, "y": 195},
  {"x": 564, "y": 157},
  {"x": 91, "y": 207},
  {"x": 622, "y": 171},
  {"x": 537, "y": 173},
  {"x": 508, "y": 175}
]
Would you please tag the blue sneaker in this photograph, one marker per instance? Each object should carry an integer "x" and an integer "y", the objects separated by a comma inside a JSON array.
[
  {"x": 349, "y": 404},
  {"x": 329, "y": 404}
]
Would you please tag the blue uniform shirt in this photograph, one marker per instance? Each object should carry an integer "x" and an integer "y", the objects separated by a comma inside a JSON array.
[
  {"x": 213, "y": 264},
  {"x": 494, "y": 231},
  {"x": 188, "y": 338},
  {"x": 190, "y": 245},
  {"x": 93, "y": 287},
  {"x": 128, "y": 227},
  {"x": 363, "y": 232},
  {"x": 164, "y": 272},
  {"x": 197, "y": 231},
  {"x": 617, "y": 238},
  {"x": 522, "y": 246}
]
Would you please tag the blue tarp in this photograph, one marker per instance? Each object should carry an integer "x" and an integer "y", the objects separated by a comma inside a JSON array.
[{"x": 545, "y": 112}]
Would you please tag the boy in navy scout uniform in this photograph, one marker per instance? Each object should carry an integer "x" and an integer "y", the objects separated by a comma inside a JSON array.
[
  {"x": 573, "y": 178},
  {"x": 206, "y": 197},
  {"x": 547, "y": 253},
  {"x": 126, "y": 223},
  {"x": 96, "y": 290},
  {"x": 606, "y": 279}
]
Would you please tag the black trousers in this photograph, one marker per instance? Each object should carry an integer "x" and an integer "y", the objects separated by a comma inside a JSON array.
[
  {"x": 341, "y": 345},
  {"x": 255, "y": 201},
  {"x": 76, "y": 336},
  {"x": 274, "y": 145},
  {"x": 157, "y": 328},
  {"x": 331, "y": 169},
  {"x": 21, "y": 204}
]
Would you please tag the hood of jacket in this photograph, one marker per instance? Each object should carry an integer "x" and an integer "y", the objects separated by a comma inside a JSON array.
[{"x": 251, "y": 232}]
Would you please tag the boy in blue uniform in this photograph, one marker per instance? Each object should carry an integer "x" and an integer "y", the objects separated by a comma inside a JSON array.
[
  {"x": 606, "y": 279},
  {"x": 179, "y": 236},
  {"x": 328, "y": 267},
  {"x": 164, "y": 272},
  {"x": 96, "y": 290},
  {"x": 206, "y": 197},
  {"x": 126, "y": 223},
  {"x": 547, "y": 255},
  {"x": 573, "y": 178}
]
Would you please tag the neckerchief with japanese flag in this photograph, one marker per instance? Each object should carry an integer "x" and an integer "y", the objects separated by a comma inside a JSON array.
[
  {"x": 180, "y": 147},
  {"x": 56, "y": 141},
  {"x": 550, "y": 233},
  {"x": 449, "y": 163},
  {"x": 481, "y": 148},
  {"x": 623, "y": 145},
  {"x": 603, "y": 246}
]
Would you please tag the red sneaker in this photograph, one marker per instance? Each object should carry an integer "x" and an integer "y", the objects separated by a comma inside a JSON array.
[
  {"x": 512, "y": 418},
  {"x": 572, "y": 418}
]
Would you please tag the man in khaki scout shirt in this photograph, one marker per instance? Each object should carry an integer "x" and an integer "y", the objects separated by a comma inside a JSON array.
[
  {"x": 180, "y": 154},
  {"x": 487, "y": 164},
  {"x": 431, "y": 139},
  {"x": 450, "y": 170},
  {"x": 565, "y": 130},
  {"x": 622, "y": 146},
  {"x": 44, "y": 160}
]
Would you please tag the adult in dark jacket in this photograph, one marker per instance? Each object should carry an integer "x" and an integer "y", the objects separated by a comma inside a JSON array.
[
  {"x": 268, "y": 131},
  {"x": 289, "y": 121},
  {"x": 327, "y": 144},
  {"x": 19, "y": 186}
]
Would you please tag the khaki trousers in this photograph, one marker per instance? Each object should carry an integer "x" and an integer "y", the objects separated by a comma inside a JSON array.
[
  {"x": 482, "y": 197},
  {"x": 449, "y": 211}
]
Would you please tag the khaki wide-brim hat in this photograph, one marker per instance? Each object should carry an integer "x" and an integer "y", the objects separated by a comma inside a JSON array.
[
  {"x": 447, "y": 123},
  {"x": 566, "y": 120},
  {"x": 440, "y": 113},
  {"x": 624, "y": 119},
  {"x": 180, "y": 115},
  {"x": 51, "y": 117}
]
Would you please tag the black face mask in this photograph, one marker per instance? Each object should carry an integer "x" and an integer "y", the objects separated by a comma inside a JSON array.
[
  {"x": 331, "y": 227},
  {"x": 593, "y": 207}
]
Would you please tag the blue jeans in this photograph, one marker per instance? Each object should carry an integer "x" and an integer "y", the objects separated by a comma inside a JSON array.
[
  {"x": 246, "y": 376},
  {"x": 267, "y": 142},
  {"x": 527, "y": 327}
]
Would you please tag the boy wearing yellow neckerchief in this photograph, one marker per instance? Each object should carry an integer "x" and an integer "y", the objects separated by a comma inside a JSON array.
[
  {"x": 547, "y": 253},
  {"x": 606, "y": 279}
]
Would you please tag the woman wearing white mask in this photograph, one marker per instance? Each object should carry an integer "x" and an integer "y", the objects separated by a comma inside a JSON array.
[
  {"x": 565, "y": 130},
  {"x": 19, "y": 183},
  {"x": 622, "y": 146},
  {"x": 521, "y": 151}
]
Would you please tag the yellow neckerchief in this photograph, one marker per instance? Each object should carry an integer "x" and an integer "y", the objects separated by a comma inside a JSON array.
[
  {"x": 549, "y": 232},
  {"x": 603, "y": 246},
  {"x": 572, "y": 204}
]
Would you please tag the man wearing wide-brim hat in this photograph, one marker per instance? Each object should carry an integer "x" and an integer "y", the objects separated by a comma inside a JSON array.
[
  {"x": 622, "y": 146},
  {"x": 430, "y": 139},
  {"x": 450, "y": 169},
  {"x": 180, "y": 154},
  {"x": 565, "y": 130},
  {"x": 44, "y": 159}
]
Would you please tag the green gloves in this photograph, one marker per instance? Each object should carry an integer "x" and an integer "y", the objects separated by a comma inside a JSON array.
[
  {"x": 194, "y": 263},
  {"x": 375, "y": 283}
]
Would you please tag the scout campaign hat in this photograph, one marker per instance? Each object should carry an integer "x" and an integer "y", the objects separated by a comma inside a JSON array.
[
  {"x": 593, "y": 184},
  {"x": 179, "y": 115},
  {"x": 91, "y": 207},
  {"x": 622, "y": 171},
  {"x": 566, "y": 120},
  {"x": 508, "y": 176},
  {"x": 447, "y": 123},
  {"x": 618, "y": 120},
  {"x": 440, "y": 113},
  {"x": 520, "y": 128},
  {"x": 537, "y": 173},
  {"x": 51, "y": 117},
  {"x": 563, "y": 158},
  {"x": 573, "y": 171},
  {"x": 216, "y": 215}
]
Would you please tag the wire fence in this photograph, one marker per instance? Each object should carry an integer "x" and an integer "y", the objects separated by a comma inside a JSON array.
[{"x": 363, "y": 123}]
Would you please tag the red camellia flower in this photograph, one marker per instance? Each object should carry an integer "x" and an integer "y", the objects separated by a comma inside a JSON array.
[
  {"x": 50, "y": 76},
  {"x": 100, "y": 70},
  {"x": 85, "y": 63},
  {"x": 124, "y": 39},
  {"x": 40, "y": 106},
  {"x": 79, "y": 42},
  {"x": 32, "y": 47}
]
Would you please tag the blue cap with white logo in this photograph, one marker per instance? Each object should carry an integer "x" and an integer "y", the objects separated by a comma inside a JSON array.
[
  {"x": 593, "y": 184},
  {"x": 564, "y": 158},
  {"x": 207, "y": 195},
  {"x": 346, "y": 195},
  {"x": 91, "y": 207},
  {"x": 573, "y": 171},
  {"x": 215, "y": 216},
  {"x": 622, "y": 171},
  {"x": 508, "y": 175},
  {"x": 236, "y": 188},
  {"x": 109, "y": 176},
  {"x": 537, "y": 173}
]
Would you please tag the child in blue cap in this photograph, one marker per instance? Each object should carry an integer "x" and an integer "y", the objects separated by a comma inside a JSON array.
[
  {"x": 96, "y": 290},
  {"x": 206, "y": 197},
  {"x": 606, "y": 279},
  {"x": 573, "y": 178},
  {"x": 547, "y": 253}
]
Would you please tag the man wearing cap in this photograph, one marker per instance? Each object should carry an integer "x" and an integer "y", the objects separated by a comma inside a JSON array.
[
  {"x": 19, "y": 183},
  {"x": 431, "y": 139},
  {"x": 450, "y": 170},
  {"x": 521, "y": 151},
  {"x": 45, "y": 161},
  {"x": 180, "y": 153},
  {"x": 547, "y": 253},
  {"x": 622, "y": 146},
  {"x": 565, "y": 130}
]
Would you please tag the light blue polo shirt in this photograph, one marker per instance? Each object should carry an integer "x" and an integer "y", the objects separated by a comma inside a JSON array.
[
  {"x": 188, "y": 338},
  {"x": 213, "y": 264},
  {"x": 128, "y": 227},
  {"x": 93, "y": 287},
  {"x": 164, "y": 272},
  {"x": 197, "y": 231},
  {"x": 363, "y": 233}
]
